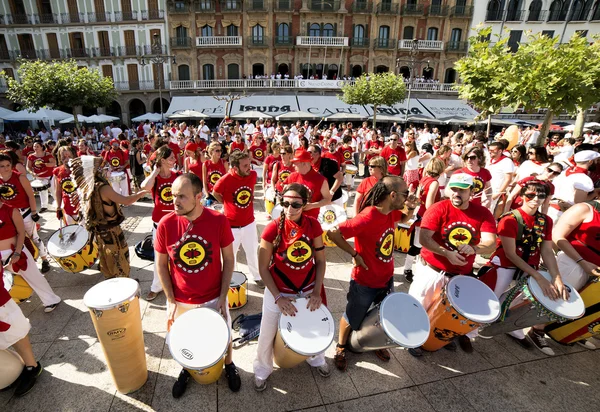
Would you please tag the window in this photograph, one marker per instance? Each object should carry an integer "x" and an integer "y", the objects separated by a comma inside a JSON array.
[
  {"x": 556, "y": 11},
  {"x": 408, "y": 33},
  {"x": 596, "y": 11},
  {"x": 183, "y": 72},
  {"x": 494, "y": 10},
  {"x": 205, "y": 31},
  {"x": 383, "y": 39},
  {"x": 548, "y": 33},
  {"x": 582, "y": 33},
  {"x": 258, "y": 33},
  {"x": 232, "y": 30},
  {"x": 514, "y": 10},
  {"x": 233, "y": 71},
  {"x": 181, "y": 32},
  {"x": 432, "y": 33},
  {"x": 581, "y": 10},
  {"x": 208, "y": 72},
  {"x": 455, "y": 35},
  {"x": 535, "y": 11},
  {"x": 283, "y": 32},
  {"x": 514, "y": 39},
  {"x": 314, "y": 30},
  {"x": 358, "y": 36},
  {"x": 328, "y": 30},
  {"x": 205, "y": 4}
]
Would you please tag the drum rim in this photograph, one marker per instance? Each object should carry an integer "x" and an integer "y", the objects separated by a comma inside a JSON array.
[
  {"x": 297, "y": 351},
  {"x": 114, "y": 305},
  {"x": 238, "y": 284},
  {"x": 196, "y": 368},
  {"x": 74, "y": 253},
  {"x": 540, "y": 302},
  {"x": 385, "y": 329},
  {"x": 460, "y": 312}
]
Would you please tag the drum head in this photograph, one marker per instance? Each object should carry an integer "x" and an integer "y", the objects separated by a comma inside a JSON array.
[
  {"x": 351, "y": 169},
  {"x": 199, "y": 338},
  {"x": 74, "y": 238},
  {"x": 111, "y": 293},
  {"x": 404, "y": 320},
  {"x": 331, "y": 216},
  {"x": 276, "y": 212},
  {"x": 473, "y": 299},
  {"x": 270, "y": 194},
  {"x": 237, "y": 279},
  {"x": 7, "y": 279},
  {"x": 574, "y": 308},
  {"x": 308, "y": 333},
  {"x": 117, "y": 174},
  {"x": 345, "y": 196}
]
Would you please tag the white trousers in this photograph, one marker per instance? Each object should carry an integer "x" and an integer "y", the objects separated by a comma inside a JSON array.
[
  {"x": 248, "y": 238},
  {"x": 31, "y": 230},
  {"x": 156, "y": 285},
  {"x": 263, "y": 364},
  {"x": 44, "y": 193},
  {"x": 122, "y": 186},
  {"x": 349, "y": 181},
  {"x": 34, "y": 277},
  {"x": 212, "y": 304}
]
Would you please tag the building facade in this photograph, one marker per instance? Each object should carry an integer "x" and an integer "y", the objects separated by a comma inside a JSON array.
[{"x": 108, "y": 35}]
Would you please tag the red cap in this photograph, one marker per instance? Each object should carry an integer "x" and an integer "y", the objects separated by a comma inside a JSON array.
[
  {"x": 113, "y": 141},
  {"x": 301, "y": 156},
  {"x": 192, "y": 147},
  {"x": 331, "y": 141}
]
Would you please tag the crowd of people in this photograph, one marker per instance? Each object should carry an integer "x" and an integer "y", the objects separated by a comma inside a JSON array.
[{"x": 523, "y": 205}]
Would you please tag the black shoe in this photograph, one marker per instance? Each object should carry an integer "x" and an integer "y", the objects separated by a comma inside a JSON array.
[
  {"x": 451, "y": 346},
  {"x": 539, "y": 341},
  {"x": 416, "y": 352},
  {"x": 181, "y": 384},
  {"x": 45, "y": 266},
  {"x": 465, "y": 344},
  {"x": 44, "y": 209},
  {"x": 523, "y": 342},
  {"x": 408, "y": 275},
  {"x": 27, "y": 379},
  {"x": 233, "y": 377}
]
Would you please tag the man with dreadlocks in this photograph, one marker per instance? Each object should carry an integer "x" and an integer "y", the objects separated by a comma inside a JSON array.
[
  {"x": 372, "y": 254},
  {"x": 102, "y": 215}
]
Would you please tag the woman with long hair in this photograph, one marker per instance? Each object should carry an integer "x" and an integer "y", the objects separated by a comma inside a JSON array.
[
  {"x": 283, "y": 168},
  {"x": 67, "y": 200},
  {"x": 535, "y": 165},
  {"x": 473, "y": 161},
  {"x": 515, "y": 200},
  {"x": 411, "y": 172},
  {"x": 518, "y": 154},
  {"x": 194, "y": 158},
  {"x": 377, "y": 171},
  {"x": 286, "y": 279},
  {"x": 213, "y": 169},
  {"x": 41, "y": 164}
]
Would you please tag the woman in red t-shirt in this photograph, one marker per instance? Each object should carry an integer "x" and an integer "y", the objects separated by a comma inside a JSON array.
[
  {"x": 377, "y": 171},
  {"x": 283, "y": 168},
  {"x": 273, "y": 158},
  {"x": 66, "y": 196},
  {"x": 41, "y": 164},
  {"x": 83, "y": 149},
  {"x": 514, "y": 199},
  {"x": 238, "y": 144},
  {"x": 213, "y": 169},
  {"x": 474, "y": 159},
  {"x": 291, "y": 249},
  {"x": 193, "y": 159}
]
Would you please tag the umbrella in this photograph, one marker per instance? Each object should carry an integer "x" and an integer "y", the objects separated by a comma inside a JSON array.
[
  {"x": 5, "y": 112},
  {"x": 71, "y": 119},
  {"x": 251, "y": 114},
  {"x": 571, "y": 128},
  {"x": 40, "y": 115},
  {"x": 592, "y": 125},
  {"x": 151, "y": 117},
  {"x": 296, "y": 115},
  {"x": 345, "y": 116},
  {"x": 101, "y": 118},
  {"x": 187, "y": 114},
  {"x": 455, "y": 120}
]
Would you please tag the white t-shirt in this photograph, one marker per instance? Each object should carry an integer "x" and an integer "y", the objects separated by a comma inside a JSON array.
[
  {"x": 44, "y": 135},
  {"x": 55, "y": 134},
  {"x": 146, "y": 128},
  {"x": 249, "y": 128},
  {"x": 528, "y": 168},
  {"x": 565, "y": 186},
  {"x": 423, "y": 138},
  {"x": 499, "y": 172},
  {"x": 115, "y": 132}
]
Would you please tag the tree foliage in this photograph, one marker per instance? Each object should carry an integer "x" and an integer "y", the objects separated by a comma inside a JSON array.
[
  {"x": 54, "y": 84},
  {"x": 382, "y": 89}
]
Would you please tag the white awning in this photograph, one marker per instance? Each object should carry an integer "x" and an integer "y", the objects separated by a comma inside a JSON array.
[
  {"x": 441, "y": 108},
  {"x": 203, "y": 104},
  {"x": 324, "y": 106},
  {"x": 271, "y": 105}
]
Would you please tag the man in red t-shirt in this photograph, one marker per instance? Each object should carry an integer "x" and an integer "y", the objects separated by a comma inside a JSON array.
[
  {"x": 194, "y": 260},
  {"x": 235, "y": 190},
  {"x": 453, "y": 231},
  {"x": 394, "y": 156},
  {"x": 117, "y": 162},
  {"x": 373, "y": 147},
  {"x": 372, "y": 254}
]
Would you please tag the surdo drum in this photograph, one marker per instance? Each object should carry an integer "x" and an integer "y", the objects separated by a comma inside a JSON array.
[
  {"x": 114, "y": 306},
  {"x": 12, "y": 366},
  {"x": 116, "y": 177},
  {"x": 399, "y": 320},
  {"x": 238, "y": 291},
  {"x": 16, "y": 286},
  {"x": 72, "y": 248},
  {"x": 351, "y": 170},
  {"x": 39, "y": 185},
  {"x": 302, "y": 336},
  {"x": 329, "y": 217},
  {"x": 269, "y": 200}
]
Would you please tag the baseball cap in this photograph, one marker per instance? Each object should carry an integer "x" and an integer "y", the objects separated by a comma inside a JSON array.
[
  {"x": 331, "y": 141},
  {"x": 113, "y": 141},
  {"x": 301, "y": 156},
  {"x": 192, "y": 147},
  {"x": 586, "y": 156},
  {"x": 461, "y": 181}
]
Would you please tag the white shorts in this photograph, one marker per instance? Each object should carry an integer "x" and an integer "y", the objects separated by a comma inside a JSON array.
[{"x": 19, "y": 325}]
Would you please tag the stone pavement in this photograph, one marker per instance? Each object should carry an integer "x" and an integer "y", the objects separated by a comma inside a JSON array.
[{"x": 498, "y": 376}]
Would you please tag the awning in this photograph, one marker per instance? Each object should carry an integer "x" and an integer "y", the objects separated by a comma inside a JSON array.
[
  {"x": 203, "y": 104},
  {"x": 324, "y": 106},
  {"x": 271, "y": 105},
  {"x": 448, "y": 108}
]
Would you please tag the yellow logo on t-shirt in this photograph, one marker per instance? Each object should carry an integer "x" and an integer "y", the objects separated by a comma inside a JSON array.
[{"x": 299, "y": 252}]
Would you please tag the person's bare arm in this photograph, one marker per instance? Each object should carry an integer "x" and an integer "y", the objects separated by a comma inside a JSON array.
[
  {"x": 326, "y": 198},
  {"x": 357, "y": 200},
  {"x": 148, "y": 182},
  {"x": 433, "y": 189},
  {"x": 20, "y": 227},
  {"x": 204, "y": 180},
  {"x": 227, "y": 273},
  {"x": 162, "y": 270},
  {"x": 315, "y": 301},
  {"x": 217, "y": 196},
  {"x": 336, "y": 237},
  {"x": 581, "y": 196},
  {"x": 29, "y": 192},
  {"x": 487, "y": 244},
  {"x": 108, "y": 192},
  {"x": 507, "y": 180},
  {"x": 511, "y": 197},
  {"x": 427, "y": 241}
]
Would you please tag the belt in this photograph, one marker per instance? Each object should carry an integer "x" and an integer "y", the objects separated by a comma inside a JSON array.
[
  {"x": 238, "y": 227},
  {"x": 438, "y": 270}
]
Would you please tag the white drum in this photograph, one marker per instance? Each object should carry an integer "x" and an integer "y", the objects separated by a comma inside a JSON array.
[
  {"x": 116, "y": 177},
  {"x": 258, "y": 170},
  {"x": 399, "y": 320},
  {"x": 198, "y": 341},
  {"x": 217, "y": 207},
  {"x": 304, "y": 335},
  {"x": 73, "y": 249},
  {"x": 329, "y": 217},
  {"x": 351, "y": 170},
  {"x": 7, "y": 279},
  {"x": 12, "y": 366},
  {"x": 276, "y": 212},
  {"x": 39, "y": 185}
]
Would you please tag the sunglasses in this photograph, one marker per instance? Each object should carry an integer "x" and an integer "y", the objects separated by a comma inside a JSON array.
[
  {"x": 552, "y": 171},
  {"x": 531, "y": 196},
  {"x": 471, "y": 157},
  {"x": 373, "y": 166},
  {"x": 295, "y": 205},
  {"x": 217, "y": 151},
  {"x": 393, "y": 140}
]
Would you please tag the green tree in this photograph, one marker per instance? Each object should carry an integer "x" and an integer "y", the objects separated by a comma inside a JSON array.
[
  {"x": 382, "y": 89},
  {"x": 54, "y": 84}
]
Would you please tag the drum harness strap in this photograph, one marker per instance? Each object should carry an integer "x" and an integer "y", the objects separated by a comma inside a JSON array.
[{"x": 26, "y": 211}]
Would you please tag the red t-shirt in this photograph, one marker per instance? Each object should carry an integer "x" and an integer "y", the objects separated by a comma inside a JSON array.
[
  {"x": 283, "y": 172},
  {"x": 162, "y": 196},
  {"x": 425, "y": 184},
  {"x": 294, "y": 257},
  {"x": 269, "y": 162},
  {"x": 70, "y": 200},
  {"x": 214, "y": 171},
  {"x": 148, "y": 149},
  {"x": 237, "y": 147},
  {"x": 394, "y": 159},
  {"x": 313, "y": 182},
  {"x": 337, "y": 156},
  {"x": 194, "y": 262},
  {"x": 346, "y": 153},
  {"x": 116, "y": 158},
  {"x": 238, "y": 197},
  {"x": 366, "y": 184},
  {"x": 373, "y": 234},
  {"x": 451, "y": 225},
  {"x": 518, "y": 201},
  {"x": 15, "y": 196},
  {"x": 586, "y": 241},
  {"x": 258, "y": 152},
  {"x": 479, "y": 181},
  {"x": 27, "y": 151},
  {"x": 7, "y": 226},
  {"x": 508, "y": 227},
  {"x": 373, "y": 145},
  {"x": 38, "y": 165},
  {"x": 196, "y": 168}
]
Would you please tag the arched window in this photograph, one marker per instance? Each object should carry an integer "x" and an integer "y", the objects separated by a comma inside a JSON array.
[
  {"x": 357, "y": 71},
  {"x": 428, "y": 72},
  {"x": 450, "y": 76},
  {"x": 535, "y": 11},
  {"x": 455, "y": 35},
  {"x": 494, "y": 11},
  {"x": 555, "y": 11},
  {"x": 408, "y": 33},
  {"x": 208, "y": 72},
  {"x": 258, "y": 69},
  {"x": 596, "y": 11},
  {"x": 258, "y": 33},
  {"x": 181, "y": 32},
  {"x": 435, "y": 9},
  {"x": 232, "y": 30},
  {"x": 206, "y": 31},
  {"x": 314, "y": 30},
  {"x": 514, "y": 12},
  {"x": 183, "y": 72},
  {"x": 587, "y": 8},
  {"x": 383, "y": 40},
  {"x": 432, "y": 33},
  {"x": 328, "y": 30},
  {"x": 404, "y": 71},
  {"x": 358, "y": 38},
  {"x": 283, "y": 30}
]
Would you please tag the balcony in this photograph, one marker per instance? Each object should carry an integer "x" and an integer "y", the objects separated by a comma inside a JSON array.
[
  {"x": 494, "y": 15},
  {"x": 536, "y": 15},
  {"x": 461, "y": 12},
  {"x": 331, "y": 6},
  {"x": 231, "y": 6},
  {"x": 258, "y": 41},
  {"x": 201, "y": 6},
  {"x": 66, "y": 18},
  {"x": 557, "y": 15},
  {"x": 74, "y": 52},
  {"x": 8, "y": 55},
  {"x": 139, "y": 85},
  {"x": 322, "y": 41},
  {"x": 181, "y": 42},
  {"x": 515, "y": 15},
  {"x": 360, "y": 42},
  {"x": 284, "y": 41},
  {"x": 437, "y": 11},
  {"x": 132, "y": 50},
  {"x": 126, "y": 15},
  {"x": 98, "y": 17},
  {"x": 6, "y": 19},
  {"x": 413, "y": 10},
  {"x": 255, "y": 5},
  {"x": 21, "y": 19},
  {"x": 178, "y": 7},
  {"x": 104, "y": 51},
  {"x": 387, "y": 8},
  {"x": 153, "y": 14},
  {"x": 457, "y": 46},
  {"x": 384, "y": 43},
  {"x": 28, "y": 54},
  {"x": 153, "y": 49},
  {"x": 422, "y": 45},
  {"x": 362, "y": 7},
  {"x": 46, "y": 18},
  {"x": 218, "y": 41},
  {"x": 284, "y": 5}
]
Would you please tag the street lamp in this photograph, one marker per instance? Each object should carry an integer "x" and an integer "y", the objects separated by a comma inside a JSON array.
[
  {"x": 414, "y": 49},
  {"x": 158, "y": 58}
]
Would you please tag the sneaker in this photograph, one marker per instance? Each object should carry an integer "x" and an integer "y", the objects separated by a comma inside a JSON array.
[
  {"x": 451, "y": 346},
  {"x": 44, "y": 209},
  {"x": 50, "y": 308},
  {"x": 233, "y": 377},
  {"x": 383, "y": 354},
  {"x": 539, "y": 341},
  {"x": 260, "y": 384},
  {"x": 324, "y": 370},
  {"x": 27, "y": 379},
  {"x": 408, "y": 274},
  {"x": 45, "y": 266},
  {"x": 586, "y": 344},
  {"x": 416, "y": 352},
  {"x": 260, "y": 283},
  {"x": 181, "y": 384},
  {"x": 151, "y": 296},
  {"x": 465, "y": 343},
  {"x": 523, "y": 341},
  {"x": 340, "y": 358}
]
